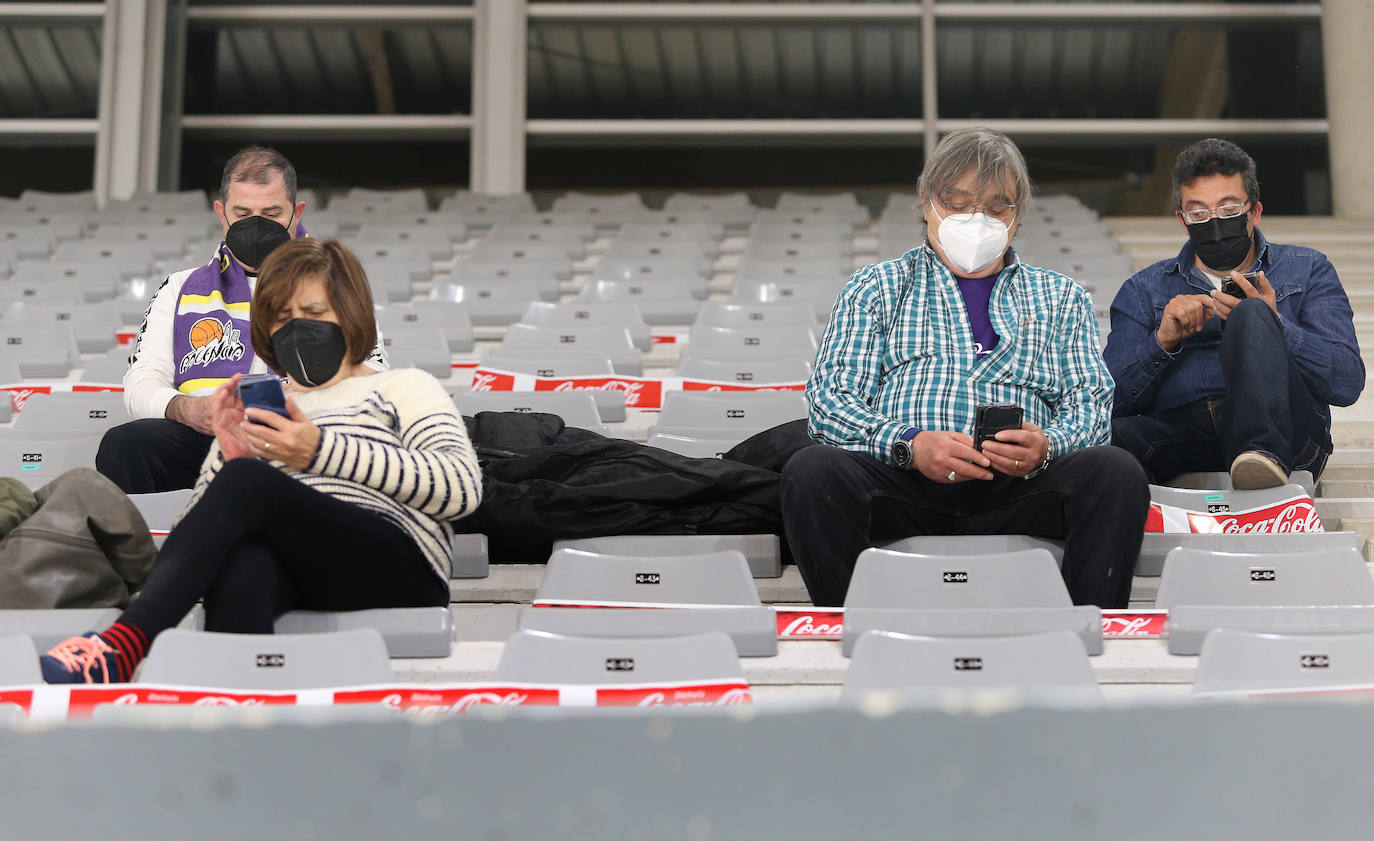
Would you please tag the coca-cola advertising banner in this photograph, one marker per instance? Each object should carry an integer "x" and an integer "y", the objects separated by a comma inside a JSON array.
[
  {"x": 705, "y": 694},
  {"x": 640, "y": 392},
  {"x": 20, "y": 392},
  {"x": 21, "y": 698},
  {"x": 1134, "y": 624},
  {"x": 1295, "y": 514},
  {"x": 796, "y": 624},
  {"x": 445, "y": 700},
  {"x": 82, "y": 699}
]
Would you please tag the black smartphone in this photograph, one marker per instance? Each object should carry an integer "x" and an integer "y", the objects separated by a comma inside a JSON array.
[
  {"x": 263, "y": 391},
  {"x": 1230, "y": 287},
  {"x": 991, "y": 418}
]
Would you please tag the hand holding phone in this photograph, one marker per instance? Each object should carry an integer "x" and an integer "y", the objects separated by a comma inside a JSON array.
[
  {"x": 992, "y": 418},
  {"x": 263, "y": 392},
  {"x": 1230, "y": 287}
]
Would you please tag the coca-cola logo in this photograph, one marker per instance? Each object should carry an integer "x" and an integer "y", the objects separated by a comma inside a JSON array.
[
  {"x": 482, "y": 382},
  {"x": 633, "y": 390},
  {"x": 1293, "y": 517},
  {"x": 440, "y": 704},
  {"x": 1133, "y": 625},
  {"x": 695, "y": 698},
  {"x": 807, "y": 625}
]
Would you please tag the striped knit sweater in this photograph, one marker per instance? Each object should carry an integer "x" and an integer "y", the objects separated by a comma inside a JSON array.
[{"x": 392, "y": 443}]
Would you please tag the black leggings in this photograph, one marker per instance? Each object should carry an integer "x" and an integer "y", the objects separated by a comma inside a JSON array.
[{"x": 259, "y": 543}]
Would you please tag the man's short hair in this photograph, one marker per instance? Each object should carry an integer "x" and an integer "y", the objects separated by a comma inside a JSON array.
[
  {"x": 989, "y": 155},
  {"x": 1214, "y": 156},
  {"x": 345, "y": 283},
  {"x": 255, "y": 164}
]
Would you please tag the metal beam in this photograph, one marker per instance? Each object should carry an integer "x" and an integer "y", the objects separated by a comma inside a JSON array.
[
  {"x": 30, "y": 130},
  {"x": 886, "y": 12},
  {"x": 29, "y": 13},
  {"x": 377, "y": 15},
  {"x": 329, "y": 126}
]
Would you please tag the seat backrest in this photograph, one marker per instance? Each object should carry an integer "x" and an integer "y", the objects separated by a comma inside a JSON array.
[
  {"x": 651, "y": 270},
  {"x": 617, "y": 313},
  {"x": 267, "y": 661},
  {"x": 449, "y": 316},
  {"x": 796, "y": 339},
  {"x": 18, "y": 661},
  {"x": 576, "y": 408},
  {"x": 711, "y": 578},
  {"x": 484, "y": 209},
  {"x": 705, "y": 235},
  {"x": 1026, "y": 578},
  {"x": 515, "y": 253},
  {"x": 36, "y": 457},
  {"x": 477, "y": 293},
  {"x": 975, "y": 544},
  {"x": 1049, "y": 665},
  {"x": 728, "y": 314},
  {"x": 541, "y": 232},
  {"x": 538, "y": 657},
  {"x": 545, "y": 365},
  {"x": 1199, "y": 577},
  {"x": 103, "y": 369},
  {"x": 92, "y": 411},
  {"x": 160, "y": 510},
  {"x": 601, "y": 289},
  {"x": 755, "y": 410},
  {"x": 1240, "y": 661},
  {"x": 744, "y": 368},
  {"x": 568, "y": 336},
  {"x": 692, "y": 446}
]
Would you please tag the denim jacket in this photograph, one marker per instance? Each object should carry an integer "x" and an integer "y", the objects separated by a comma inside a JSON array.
[{"x": 1318, "y": 329}]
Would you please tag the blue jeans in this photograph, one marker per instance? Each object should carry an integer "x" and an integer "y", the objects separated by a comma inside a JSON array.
[{"x": 1267, "y": 408}]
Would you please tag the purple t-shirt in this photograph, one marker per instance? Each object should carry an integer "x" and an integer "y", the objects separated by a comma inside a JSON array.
[{"x": 976, "y": 292}]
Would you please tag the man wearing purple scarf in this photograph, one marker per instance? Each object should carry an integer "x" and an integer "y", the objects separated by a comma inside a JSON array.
[{"x": 195, "y": 332}]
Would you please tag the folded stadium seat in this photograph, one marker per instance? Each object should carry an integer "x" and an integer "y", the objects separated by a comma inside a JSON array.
[
  {"x": 326, "y": 224},
  {"x": 37, "y": 456},
  {"x": 109, "y": 370},
  {"x": 165, "y": 242},
  {"x": 780, "y": 231},
  {"x": 267, "y": 661},
  {"x": 682, "y": 253},
  {"x": 797, "y": 340},
  {"x": 660, "y": 303},
  {"x": 8, "y": 257},
  {"x": 93, "y": 325},
  {"x": 983, "y": 594},
  {"x": 482, "y": 211},
  {"x": 975, "y": 544},
  {"x": 757, "y": 410},
  {"x": 668, "y": 227},
  {"x": 745, "y": 369},
  {"x": 470, "y": 558},
  {"x": 1155, "y": 545},
  {"x": 733, "y": 210},
  {"x": 490, "y": 304},
  {"x": 1221, "y": 481},
  {"x": 538, "y": 657},
  {"x": 576, "y": 408},
  {"x": 30, "y": 242},
  {"x": 406, "y": 631},
  {"x": 679, "y": 273},
  {"x": 19, "y": 661},
  {"x": 39, "y": 201},
  {"x": 839, "y": 252},
  {"x": 95, "y": 281},
  {"x": 425, "y": 348},
  {"x": 727, "y": 314},
  {"x": 1308, "y": 592},
  {"x": 41, "y": 351},
  {"x": 839, "y": 205},
  {"x": 817, "y": 293},
  {"x": 72, "y": 411},
  {"x": 835, "y": 269},
  {"x": 712, "y": 591},
  {"x": 47, "y": 628},
  {"x": 609, "y": 211},
  {"x": 1062, "y": 251},
  {"x": 391, "y": 281},
  {"x": 164, "y": 202},
  {"x": 610, "y": 403},
  {"x": 618, "y": 313},
  {"x": 497, "y": 275},
  {"x": 193, "y": 225},
  {"x": 449, "y": 316},
  {"x": 697, "y": 442},
  {"x": 134, "y": 259},
  {"x": 62, "y": 225},
  {"x": 131, "y": 302},
  {"x": 549, "y": 258},
  {"x": 1241, "y": 662},
  {"x": 413, "y": 256},
  {"x": 609, "y": 340},
  {"x": 161, "y": 510},
  {"x": 1041, "y": 668},
  {"x": 583, "y": 224},
  {"x": 569, "y": 241},
  {"x": 438, "y": 241},
  {"x": 380, "y": 201}
]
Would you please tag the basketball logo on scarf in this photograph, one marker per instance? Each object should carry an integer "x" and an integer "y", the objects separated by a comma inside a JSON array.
[{"x": 211, "y": 341}]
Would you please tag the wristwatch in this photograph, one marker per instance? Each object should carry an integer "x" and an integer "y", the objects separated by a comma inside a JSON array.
[
  {"x": 1040, "y": 467},
  {"x": 901, "y": 448}
]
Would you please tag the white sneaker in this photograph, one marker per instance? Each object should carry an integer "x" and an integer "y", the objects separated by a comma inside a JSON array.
[{"x": 1252, "y": 471}]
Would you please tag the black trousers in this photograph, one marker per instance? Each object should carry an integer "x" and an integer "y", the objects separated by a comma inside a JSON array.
[
  {"x": 836, "y": 503},
  {"x": 259, "y": 543},
  {"x": 152, "y": 455}
]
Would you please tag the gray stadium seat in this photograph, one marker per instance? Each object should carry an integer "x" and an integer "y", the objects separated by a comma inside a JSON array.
[
  {"x": 29, "y": 242},
  {"x": 1156, "y": 547},
  {"x": 368, "y": 200},
  {"x": 558, "y": 241},
  {"x": 1298, "y": 592},
  {"x": 576, "y": 408},
  {"x": 773, "y": 226},
  {"x": 466, "y": 273},
  {"x": 1242, "y": 662},
  {"x": 19, "y": 661},
  {"x": 425, "y": 348},
  {"x": 134, "y": 259},
  {"x": 646, "y": 272},
  {"x": 62, "y": 291},
  {"x": 836, "y": 269},
  {"x": 46, "y": 351},
  {"x": 604, "y": 339},
  {"x": 816, "y": 292},
  {"x": 696, "y": 443},
  {"x": 537, "y": 657},
  {"x": 39, "y": 200},
  {"x": 73, "y": 411},
  {"x": 49, "y": 627},
  {"x": 8, "y": 257},
  {"x": 482, "y": 211},
  {"x": 1220, "y": 503},
  {"x": 620, "y": 313},
  {"x": 762, "y": 552},
  {"x": 734, "y": 210},
  {"x": 1221, "y": 481},
  {"x": 391, "y": 281},
  {"x": 975, "y": 544},
  {"x": 744, "y": 368},
  {"x": 165, "y": 242},
  {"x": 727, "y": 314},
  {"x": 739, "y": 409},
  {"x": 160, "y": 201},
  {"x": 788, "y": 252},
  {"x": 36, "y": 457},
  {"x": 705, "y": 236},
  {"x": 839, "y": 205},
  {"x": 497, "y": 304},
  {"x": 449, "y": 316},
  {"x": 966, "y": 595},
  {"x": 609, "y": 211},
  {"x": 470, "y": 558},
  {"x": 406, "y": 631},
  {"x": 677, "y": 253},
  {"x": 610, "y": 403},
  {"x": 660, "y": 303},
  {"x": 131, "y": 302},
  {"x": 108, "y": 369},
  {"x": 267, "y": 661},
  {"x": 795, "y": 339},
  {"x": 550, "y": 258},
  {"x": 93, "y": 325},
  {"x": 437, "y": 240},
  {"x": 161, "y": 510},
  {"x": 566, "y": 222},
  {"x": 1044, "y": 667}
]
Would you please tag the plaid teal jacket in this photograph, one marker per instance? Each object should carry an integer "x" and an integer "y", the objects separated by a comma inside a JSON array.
[{"x": 899, "y": 352}]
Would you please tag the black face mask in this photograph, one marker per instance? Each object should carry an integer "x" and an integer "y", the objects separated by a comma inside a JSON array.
[
  {"x": 252, "y": 238},
  {"x": 309, "y": 351},
  {"x": 1221, "y": 244}
]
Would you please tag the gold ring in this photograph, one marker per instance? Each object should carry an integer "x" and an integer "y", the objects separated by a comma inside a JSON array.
[{"x": 1018, "y": 464}]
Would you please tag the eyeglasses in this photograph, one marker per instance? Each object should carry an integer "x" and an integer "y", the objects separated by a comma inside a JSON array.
[
  {"x": 1000, "y": 212},
  {"x": 1226, "y": 211}
]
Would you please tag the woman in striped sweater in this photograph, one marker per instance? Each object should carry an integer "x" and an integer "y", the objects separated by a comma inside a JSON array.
[{"x": 343, "y": 505}]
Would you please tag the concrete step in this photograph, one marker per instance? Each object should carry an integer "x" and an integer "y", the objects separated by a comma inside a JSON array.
[
  {"x": 1351, "y": 457},
  {"x": 1347, "y": 472},
  {"x": 1335, "y": 509},
  {"x": 1353, "y": 488}
]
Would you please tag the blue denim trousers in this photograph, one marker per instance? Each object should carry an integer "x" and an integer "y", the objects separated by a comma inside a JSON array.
[{"x": 1267, "y": 408}]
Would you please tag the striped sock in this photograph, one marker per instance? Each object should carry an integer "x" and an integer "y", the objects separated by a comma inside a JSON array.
[{"x": 130, "y": 645}]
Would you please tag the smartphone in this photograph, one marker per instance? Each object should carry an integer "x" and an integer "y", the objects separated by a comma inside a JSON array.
[
  {"x": 1230, "y": 287},
  {"x": 991, "y": 418},
  {"x": 263, "y": 391}
]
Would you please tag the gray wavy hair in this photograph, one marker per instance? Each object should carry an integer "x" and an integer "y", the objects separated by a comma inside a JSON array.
[{"x": 989, "y": 155}]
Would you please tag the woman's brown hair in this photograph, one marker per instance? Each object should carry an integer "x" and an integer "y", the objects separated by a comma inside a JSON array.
[{"x": 344, "y": 281}]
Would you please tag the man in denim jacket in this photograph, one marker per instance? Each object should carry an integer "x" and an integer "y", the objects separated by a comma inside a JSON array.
[{"x": 1210, "y": 380}]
